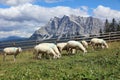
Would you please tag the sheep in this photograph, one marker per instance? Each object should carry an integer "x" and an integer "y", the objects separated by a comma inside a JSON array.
[
  {"x": 54, "y": 47},
  {"x": 11, "y": 51},
  {"x": 46, "y": 48},
  {"x": 62, "y": 46},
  {"x": 76, "y": 45},
  {"x": 96, "y": 42},
  {"x": 84, "y": 43}
]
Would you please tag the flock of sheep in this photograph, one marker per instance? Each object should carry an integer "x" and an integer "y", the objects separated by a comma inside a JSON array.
[{"x": 55, "y": 50}]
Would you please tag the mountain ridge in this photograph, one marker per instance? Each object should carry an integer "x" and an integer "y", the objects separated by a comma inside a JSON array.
[{"x": 68, "y": 26}]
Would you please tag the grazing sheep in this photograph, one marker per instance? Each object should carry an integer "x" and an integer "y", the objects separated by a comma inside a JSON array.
[
  {"x": 11, "y": 51},
  {"x": 96, "y": 42},
  {"x": 75, "y": 45},
  {"x": 46, "y": 48},
  {"x": 61, "y": 46},
  {"x": 84, "y": 43},
  {"x": 54, "y": 47}
]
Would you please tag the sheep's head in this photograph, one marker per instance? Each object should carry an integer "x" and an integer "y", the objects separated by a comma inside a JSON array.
[
  {"x": 59, "y": 55},
  {"x": 105, "y": 44},
  {"x": 19, "y": 49}
]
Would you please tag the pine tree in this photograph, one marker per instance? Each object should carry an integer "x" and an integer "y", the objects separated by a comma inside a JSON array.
[
  {"x": 118, "y": 27},
  {"x": 107, "y": 25},
  {"x": 113, "y": 25},
  {"x": 100, "y": 31}
]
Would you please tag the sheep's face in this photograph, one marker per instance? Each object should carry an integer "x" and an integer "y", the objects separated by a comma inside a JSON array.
[{"x": 20, "y": 50}]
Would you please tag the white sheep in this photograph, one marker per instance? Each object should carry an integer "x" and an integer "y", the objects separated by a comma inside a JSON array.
[
  {"x": 75, "y": 45},
  {"x": 46, "y": 48},
  {"x": 96, "y": 42},
  {"x": 84, "y": 43},
  {"x": 54, "y": 47},
  {"x": 11, "y": 51},
  {"x": 62, "y": 46}
]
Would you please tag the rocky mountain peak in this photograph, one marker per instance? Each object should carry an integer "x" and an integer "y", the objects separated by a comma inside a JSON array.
[{"x": 68, "y": 26}]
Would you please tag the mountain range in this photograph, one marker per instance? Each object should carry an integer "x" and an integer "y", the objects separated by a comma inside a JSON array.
[
  {"x": 68, "y": 26},
  {"x": 13, "y": 38}
]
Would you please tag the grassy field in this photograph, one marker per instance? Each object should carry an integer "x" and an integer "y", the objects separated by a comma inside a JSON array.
[{"x": 95, "y": 65}]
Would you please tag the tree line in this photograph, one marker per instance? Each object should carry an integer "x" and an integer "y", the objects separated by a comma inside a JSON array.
[{"x": 112, "y": 26}]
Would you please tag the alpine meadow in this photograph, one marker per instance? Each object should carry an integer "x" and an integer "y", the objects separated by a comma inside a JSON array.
[
  {"x": 59, "y": 39},
  {"x": 101, "y": 64}
]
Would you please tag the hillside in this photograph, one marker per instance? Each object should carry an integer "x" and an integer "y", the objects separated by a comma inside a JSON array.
[
  {"x": 95, "y": 65},
  {"x": 68, "y": 26}
]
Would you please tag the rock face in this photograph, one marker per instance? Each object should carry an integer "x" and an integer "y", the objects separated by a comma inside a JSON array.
[{"x": 68, "y": 26}]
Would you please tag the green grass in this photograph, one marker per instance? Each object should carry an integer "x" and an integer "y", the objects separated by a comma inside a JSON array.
[{"x": 95, "y": 65}]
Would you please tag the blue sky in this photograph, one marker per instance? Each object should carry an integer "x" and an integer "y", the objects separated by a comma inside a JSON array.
[
  {"x": 91, "y": 4},
  {"x": 114, "y": 4},
  {"x": 23, "y": 17}
]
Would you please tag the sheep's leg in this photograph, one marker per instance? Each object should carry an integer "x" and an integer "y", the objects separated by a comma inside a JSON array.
[
  {"x": 36, "y": 55},
  {"x": 49, "y": 56},
  {"x": 4, "y": 55},
  {"x": 54, "y": 54},
  {"x": 98, "y": 46},
  {"x": 14, "y": 58},
  {"x": 74, "y": 51},
  {"x": 102, "y": 46},
  {"x": 69, "y": 50},
  {"x": 93, "y": 46},
  {"x": 40, "y": 55}
]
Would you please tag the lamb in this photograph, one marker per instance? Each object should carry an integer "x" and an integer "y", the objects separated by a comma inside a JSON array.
[
  {"x": 84, "y": 43},
  {"x": 48, "y": 49},
  {"x": 11, "y": 51},
  {"x": 96, "y": 42},
  {"x": 62, "y": 46},
  {"x": 76, "y": 45}
]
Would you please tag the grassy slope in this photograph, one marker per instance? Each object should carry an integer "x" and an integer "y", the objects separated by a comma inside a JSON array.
[{"x": 96, "y": 65}]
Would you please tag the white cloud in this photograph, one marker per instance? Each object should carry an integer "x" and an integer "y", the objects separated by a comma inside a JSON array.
[
  {"x": 15, "y": 2},
  {"x": 85, "y": 8},
  {"x": 53, "y": 1},
  {"x": 106, "y": 12},
  {"x": 27, "y": 18}
]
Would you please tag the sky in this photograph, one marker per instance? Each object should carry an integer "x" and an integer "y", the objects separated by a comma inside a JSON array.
[{"x": 23, "y": 17}]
